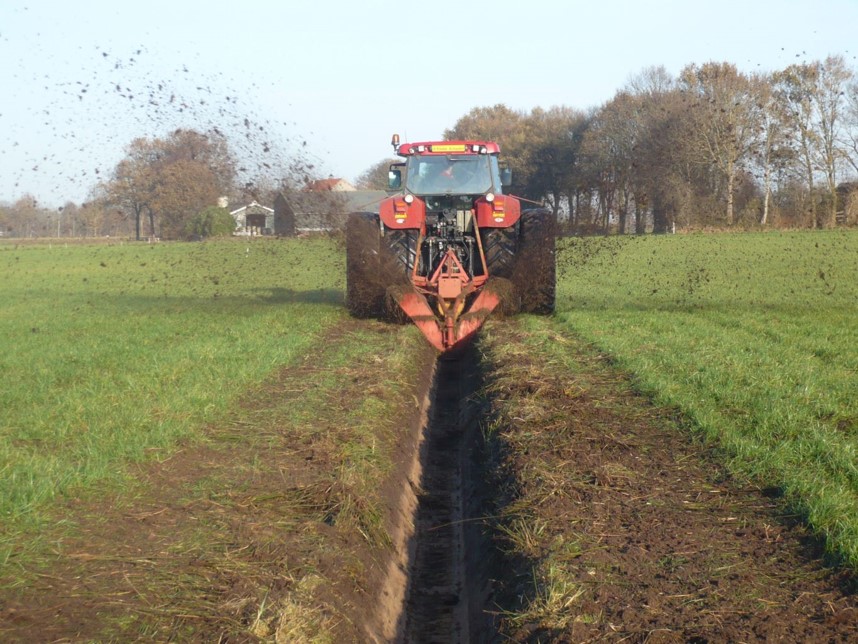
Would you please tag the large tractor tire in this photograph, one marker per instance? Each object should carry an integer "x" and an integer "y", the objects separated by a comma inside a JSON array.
[
  {"x": 365, "y": 279},
  {"x": 500, "y": 246},
  {"x": 401, "y": 246},
  {"x": 398, "y": 255},
  {"x": 534, "y": 275}
]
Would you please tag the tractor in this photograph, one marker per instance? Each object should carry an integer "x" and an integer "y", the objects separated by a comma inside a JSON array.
[{"x": 448, "y": 247}]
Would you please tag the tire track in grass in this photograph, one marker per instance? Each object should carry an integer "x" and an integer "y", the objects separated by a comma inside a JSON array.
[
  {"x": 278, "y": 527},
  {"x": 626, "y": 529}
]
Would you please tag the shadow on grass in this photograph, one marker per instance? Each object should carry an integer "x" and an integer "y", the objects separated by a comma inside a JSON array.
[
  {"x": 292, "y": 296},
  {"x": 211, "y": 302}
]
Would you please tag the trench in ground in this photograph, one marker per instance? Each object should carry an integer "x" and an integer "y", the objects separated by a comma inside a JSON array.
[
  {"x": 451, "y": 560},
  {"x": 665, "y": 540}
]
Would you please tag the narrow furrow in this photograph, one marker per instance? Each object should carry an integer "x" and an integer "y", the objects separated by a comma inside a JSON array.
[{"x": 443, "y": 601}]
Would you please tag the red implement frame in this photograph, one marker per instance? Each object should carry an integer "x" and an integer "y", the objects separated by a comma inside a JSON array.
[{"x": 462, "y": 303}]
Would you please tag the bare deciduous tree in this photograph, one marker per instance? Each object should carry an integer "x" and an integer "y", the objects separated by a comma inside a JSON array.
[
  {"x": 833, "y": 79},
  {"x": 795, "y": 87},
  {"x": 724, "y": 123}
]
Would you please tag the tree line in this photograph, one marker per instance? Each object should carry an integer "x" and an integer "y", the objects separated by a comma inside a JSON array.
[
  {"x": 166, "y": 187},
  {"x": 712, "y": 147}
]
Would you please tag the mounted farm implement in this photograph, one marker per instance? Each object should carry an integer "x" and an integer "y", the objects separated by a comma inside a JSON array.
[{"x": 449, "y": 247}]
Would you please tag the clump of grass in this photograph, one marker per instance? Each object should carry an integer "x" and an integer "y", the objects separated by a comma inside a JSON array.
[
  {"x": 524, "y": 534},
  {"x": 297, "y": 618},
  {"x": 554, "y": 605}
]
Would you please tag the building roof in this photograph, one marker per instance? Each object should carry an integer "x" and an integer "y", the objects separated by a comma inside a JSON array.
[
  {"x": 257, "y": 208},
  {"x": 328, "y": 210}
]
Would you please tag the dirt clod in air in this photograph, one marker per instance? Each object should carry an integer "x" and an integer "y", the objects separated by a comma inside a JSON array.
[{"x": 374, "y": 276}]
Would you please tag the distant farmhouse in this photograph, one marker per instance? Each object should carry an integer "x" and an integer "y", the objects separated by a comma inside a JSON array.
[
  {"x": 253, "y": 219},
  {"x": 322, "y": 207}
]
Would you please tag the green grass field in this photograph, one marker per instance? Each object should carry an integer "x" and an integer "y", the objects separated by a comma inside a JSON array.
[
  {"x": 115, "y": 353},
  {"x": 753, "y": 337},
  {"x": 211, "y": 404}
]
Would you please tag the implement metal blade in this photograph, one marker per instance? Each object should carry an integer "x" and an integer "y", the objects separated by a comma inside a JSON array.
[{"x": 464, "y": 326}]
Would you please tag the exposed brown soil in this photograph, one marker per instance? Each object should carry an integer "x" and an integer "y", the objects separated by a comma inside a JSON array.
[
  {"x": 256, "y": 536},
  {"x": 586, "y": 515},
  {"x": 373, "y": 273},
  {"x": 652, "y": 540},
  {"x": 451, "y": 562},
  {"x": 534, "y": 269}
]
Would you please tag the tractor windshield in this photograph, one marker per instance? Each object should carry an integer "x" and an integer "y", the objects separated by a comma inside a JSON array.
[{"x": 450, "y": 174}]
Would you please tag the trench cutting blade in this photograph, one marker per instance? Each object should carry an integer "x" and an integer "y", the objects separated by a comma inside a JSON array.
[{"x": 452, "y": 331}]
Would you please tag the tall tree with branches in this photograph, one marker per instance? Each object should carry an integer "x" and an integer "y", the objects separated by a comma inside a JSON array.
[
  {"x": 833, "y": 77},
  {"x": 795, "y": 88},
  {"x": 725, "y": 123},
  {"x": 170, "y": 180}
]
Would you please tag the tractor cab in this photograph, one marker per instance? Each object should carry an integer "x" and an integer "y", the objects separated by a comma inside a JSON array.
[
  {"x": 449, "y": 168},
  {"x": 460, "y": 174}
]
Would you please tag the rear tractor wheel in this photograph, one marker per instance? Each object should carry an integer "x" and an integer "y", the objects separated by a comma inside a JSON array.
[
  {"x": 398, "y": 255},
  {"x": 500, "y": 246},
  {"x": 365, "y": 288},
  {"x": 534, "y": 274}
]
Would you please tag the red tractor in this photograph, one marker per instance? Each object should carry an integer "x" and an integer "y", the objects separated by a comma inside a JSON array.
[{"x": 449, "y": 247}]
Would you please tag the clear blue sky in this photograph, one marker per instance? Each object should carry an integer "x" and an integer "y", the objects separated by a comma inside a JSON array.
[{"x": 82, "y": 78}]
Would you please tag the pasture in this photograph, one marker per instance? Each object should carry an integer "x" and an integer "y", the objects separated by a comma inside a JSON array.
[
  {"x": 753, "y": 338},
  {"x": 199, "y": 442},
  {"x": 114, "y": 353}
]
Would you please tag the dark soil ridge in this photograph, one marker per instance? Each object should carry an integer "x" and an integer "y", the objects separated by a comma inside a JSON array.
[{"x": 625, "y": 526}]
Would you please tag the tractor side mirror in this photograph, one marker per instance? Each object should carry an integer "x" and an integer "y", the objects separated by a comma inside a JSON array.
[
  {"x": 506, "y": 176},
  {"x": 394, "y": 178}
]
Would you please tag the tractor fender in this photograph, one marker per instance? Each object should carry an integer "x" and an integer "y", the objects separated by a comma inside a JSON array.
[
  {"x": 502, "y": 212},
  {"x": 397, "y": 213}
]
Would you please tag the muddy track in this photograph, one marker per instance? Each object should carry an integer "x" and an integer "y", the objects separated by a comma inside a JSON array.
[
  {"x": 447, "y": 590},
  {"x": 535, "y": 497},
  {"x": 585, "y": 514}
]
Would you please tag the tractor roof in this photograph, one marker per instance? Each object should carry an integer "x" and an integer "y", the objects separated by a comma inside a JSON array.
[{"x": 448, "y": 147}]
